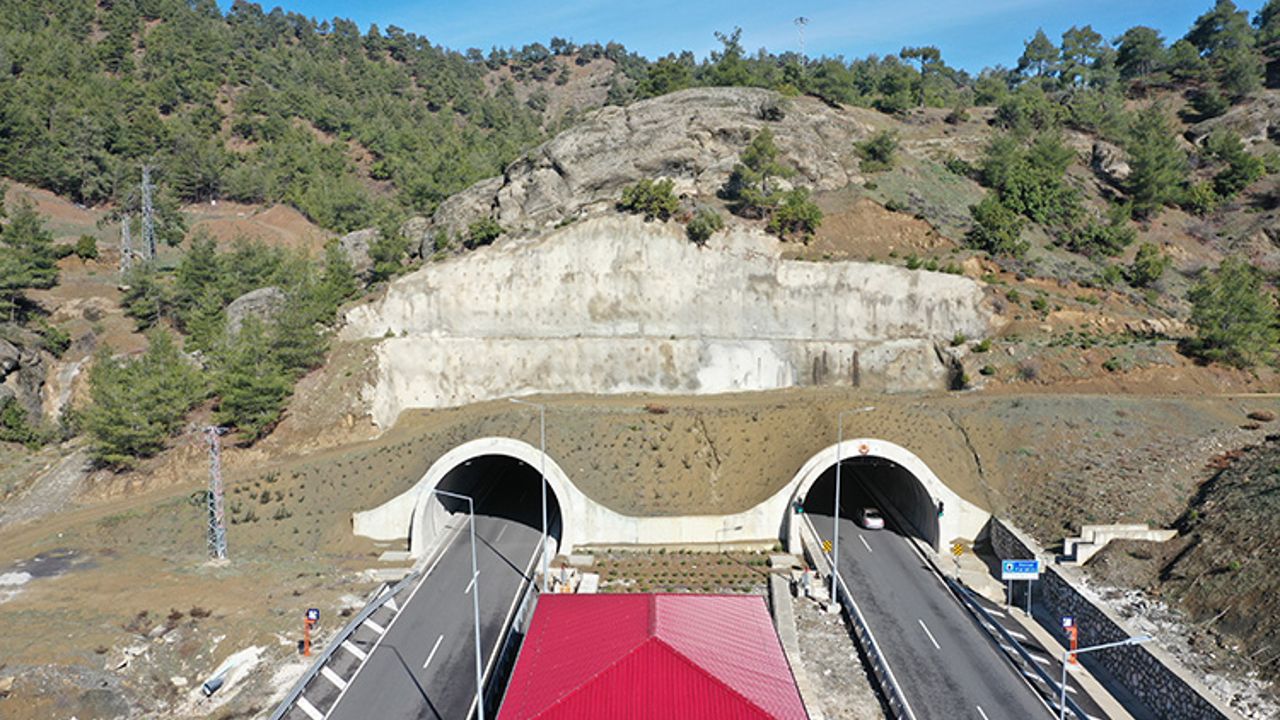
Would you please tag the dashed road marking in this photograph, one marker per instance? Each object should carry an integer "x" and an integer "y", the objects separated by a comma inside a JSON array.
[
  {"x": 333, "y": 677},
  {"x": 864, "y": 543},
  {"x": 926, "y": 632},
  {"x": 471, "y": 584},
  {"x": 432, "y": 654},
  {"x": 374, "y": 626},
  {"x": 360, "y": 654},
  {"x": 309, "y": 709},
  {"x": 980, "y": 712}
]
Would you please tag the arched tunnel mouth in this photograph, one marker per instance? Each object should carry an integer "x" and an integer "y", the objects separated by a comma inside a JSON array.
[
  {"x": 871, "y": 482},
  {"x": 502, "y": 487}
]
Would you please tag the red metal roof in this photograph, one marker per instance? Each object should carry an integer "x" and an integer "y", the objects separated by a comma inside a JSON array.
[{"x": 644, "y": 657}]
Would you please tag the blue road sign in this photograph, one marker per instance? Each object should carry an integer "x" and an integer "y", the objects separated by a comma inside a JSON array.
[
  {"x": 1020, "y": 570},
  {"x": 313, "y": 614}
]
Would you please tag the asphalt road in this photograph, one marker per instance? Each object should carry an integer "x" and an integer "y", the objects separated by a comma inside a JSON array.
[
  {"x": 947, "y": 667},
  {"x": 424, "y": 667}
]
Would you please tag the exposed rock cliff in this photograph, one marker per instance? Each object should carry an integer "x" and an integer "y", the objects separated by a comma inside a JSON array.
[{"x": 693, "y": 137}]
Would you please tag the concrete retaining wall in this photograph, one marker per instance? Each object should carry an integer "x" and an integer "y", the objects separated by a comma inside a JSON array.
[
  {"x": 615, "y": 304},
  {"x": 1148, "y": 672}
]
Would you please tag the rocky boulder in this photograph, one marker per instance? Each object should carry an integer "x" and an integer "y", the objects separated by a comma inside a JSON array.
[
  {"x": 693, "y": 137},
  {"x": 262, "y": 303},
  {"x": 355, "y": 246},
  {"x": 9, "y": 355}
]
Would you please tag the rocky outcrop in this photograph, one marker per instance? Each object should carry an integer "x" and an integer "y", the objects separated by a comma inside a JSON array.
[
  {"x": 262, "y": 303},
  {"x": 355, "y": 246},
  {"x": 22, "y": 373},
  {"x": 615, "y": 304},
  {"x": 693, "y": 137}
]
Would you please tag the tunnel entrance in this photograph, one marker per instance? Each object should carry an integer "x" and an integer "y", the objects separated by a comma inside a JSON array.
[
  {"x": 500, "y": 486},
  {"x": 873, "y": 482}
]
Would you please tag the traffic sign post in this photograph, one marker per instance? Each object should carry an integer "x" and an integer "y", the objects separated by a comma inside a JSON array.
[
  {"x": 309, "y": 620},
  {"x": 1011, "y": 570}
]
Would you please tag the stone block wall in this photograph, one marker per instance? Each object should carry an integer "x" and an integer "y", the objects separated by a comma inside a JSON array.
[{"x": 1166, "y": 687}]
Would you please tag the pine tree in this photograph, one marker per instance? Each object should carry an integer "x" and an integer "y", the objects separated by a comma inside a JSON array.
[
  {"x": 252, "y": 384},
  {"x": 748, "y": 187},
  {"x": 1158, "y": 165},
  {"x": 1040, "y": 55},
  {"x": 28, "y": 259},
  {"x": 197, "y": 272},
  {"x": 138, "y": 403},
  {"x": 338, "y": 279},
  {"x": 1235, "y": 319},
  {"x": 1141, "y": 52},
  {"x": 297, "y": 341}
]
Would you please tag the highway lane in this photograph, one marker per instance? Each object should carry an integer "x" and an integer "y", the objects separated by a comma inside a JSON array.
[
  {"x": 424, "y": 666},
  {"x": 948, "y": 667}
]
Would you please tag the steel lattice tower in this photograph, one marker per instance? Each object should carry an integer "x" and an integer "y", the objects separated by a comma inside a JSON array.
[
  {"x": 148, "y": 221},
  {"x": 217, "y": 521}
]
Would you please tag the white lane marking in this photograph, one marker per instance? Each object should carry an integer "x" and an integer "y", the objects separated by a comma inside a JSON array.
[
  {"x": 377, "y": 643},
  {"x": 996, "y": 613},
  {"x": 980, "y": 712},
  {"x": 501, "y": 532},
  {"x": 333, "y": 677},
  {"x": 375, "y": 626},
  {"x": 432, "y": 654},
  {"x": 926, "y": 632},
  {"x": 1015, "y": 633},
  {"x": 309, "y": 709},
  {"x": 392, "y": 604},
  {"x": 360, "y": 654},
  {"x": 864, "y": 543},
  {"x": 471, "y": 584}
]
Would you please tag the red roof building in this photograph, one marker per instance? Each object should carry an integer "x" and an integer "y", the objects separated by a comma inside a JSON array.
[{"x": 645, "y": 657}]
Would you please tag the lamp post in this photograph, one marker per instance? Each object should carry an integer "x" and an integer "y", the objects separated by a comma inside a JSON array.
[
  {"x": 1066, "y": 657},
  {"x": 835, "y": 504},
  {"x": 475, "y": 595},
  {"x": 542, "y": 470}
]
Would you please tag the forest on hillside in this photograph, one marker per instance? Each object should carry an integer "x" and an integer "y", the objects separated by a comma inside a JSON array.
[
  {"x": 352, "y": 126},
  {"x": 361, "y": 129}
]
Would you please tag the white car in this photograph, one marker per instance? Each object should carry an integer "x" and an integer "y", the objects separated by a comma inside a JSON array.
[{"x": 870, "y": 518}]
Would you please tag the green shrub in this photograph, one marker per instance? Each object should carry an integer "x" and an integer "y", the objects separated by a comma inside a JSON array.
[
  {"x": 1040, "y": 304},
  {"x": 987, "y": 370},
  {"x": 982, "y": 346},
  {"x": 877, "y": 152},
  {"x": 1113, "y": 364},
  {"x": 1241, "y": 167},
  {"x": 705, "y": 223},
  {"x": 482, "y": 232},
  {"x": 1149, "y": 265},
  {"x": 14, "y": 426},
  {"x": 87, "y": 247},
  {"x": 1200, "y": 199},
  {"x": 53, "y": 338},
  {"x": 1209, "y": 103},
  {"x": 654, "y": 200},
  {"x": 1108, "y": 239},
  {"x": 996, "y": 229},
  {"x": 796, "y": 215}
]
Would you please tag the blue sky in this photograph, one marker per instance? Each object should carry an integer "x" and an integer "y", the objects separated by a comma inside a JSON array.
[{"x": 971, "y": 33}]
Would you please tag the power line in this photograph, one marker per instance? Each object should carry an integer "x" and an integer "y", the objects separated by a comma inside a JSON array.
[
  {"x": 800, "y": 23},
  {"x": 148, "y": 221}
]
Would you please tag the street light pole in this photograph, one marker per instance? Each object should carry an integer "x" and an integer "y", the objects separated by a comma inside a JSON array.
[
  {"x": 1066, "y": 657},
  {"x": 475, "y": 596},
  {"x": 835, "y": 505},
  {"x": 542, "y": 470}
]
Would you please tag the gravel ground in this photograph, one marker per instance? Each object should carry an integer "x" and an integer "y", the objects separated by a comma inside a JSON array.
[{"x": 835, "y": 669}]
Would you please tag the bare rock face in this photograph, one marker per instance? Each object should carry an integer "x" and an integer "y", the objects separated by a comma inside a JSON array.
[
  {"x": 262, "y": 303},
  {"x": 1109, "y": 160},
  {"x": 693, "y": 137},
  {"x": 355, "y": 246},
  {"x": 8, "y": 357},
  {"x": 1254, "y": 122},
  {"x": 22, "y": 374}
]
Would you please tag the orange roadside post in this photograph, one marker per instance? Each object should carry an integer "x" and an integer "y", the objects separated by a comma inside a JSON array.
[{"x": 312, "y": 617}]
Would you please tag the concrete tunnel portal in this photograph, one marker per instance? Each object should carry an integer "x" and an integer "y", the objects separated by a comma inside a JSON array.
[
  {"x": 503, "y": 473},
  {"x": 871, "y": 482},
  {"x": 499, "y": 486}
]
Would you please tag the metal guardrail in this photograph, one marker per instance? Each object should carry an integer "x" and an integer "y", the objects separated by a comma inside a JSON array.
[
  {"x": 893, "y": 695},
  {"x": 346, "y": 632},
  {"x": 504, "y": 663},
  {"x": 966, "y": 597}
]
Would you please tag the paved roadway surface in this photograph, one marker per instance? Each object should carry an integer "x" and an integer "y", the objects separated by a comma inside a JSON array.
[
  {"x": 948, "y": 668},
  {"x": 424, "y": 666}
]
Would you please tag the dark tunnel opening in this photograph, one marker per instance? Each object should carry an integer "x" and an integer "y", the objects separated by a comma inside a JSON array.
[
  {"x": 502, "y": 487},
  {"x": 870, "y": 482}
]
